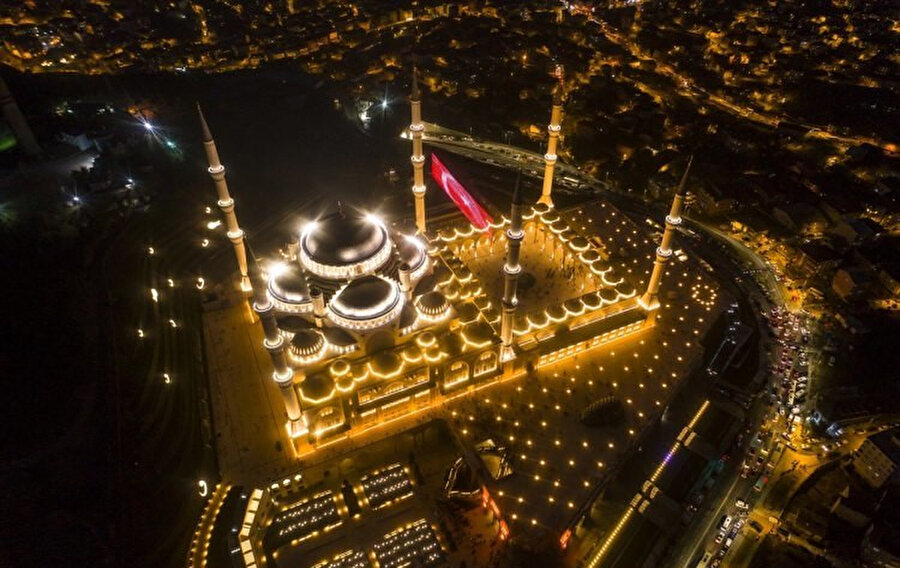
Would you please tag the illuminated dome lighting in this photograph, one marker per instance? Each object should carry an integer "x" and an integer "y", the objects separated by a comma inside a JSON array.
[
  {"x": 385, "y": 364},
  {"x": 625, "y": 289},
  {"x": 550, "y": 216},
  {"x": 426, "y": 339},
  {"x": 608, "y": 295},
  {"x": 590, "y": 256},
  {"x": 477, "y": 335},
  {"x": 366, "y": 303},
  {"x": 412, "y": 252},
  {"x": 556, "y": 313},
  {"x": 540, "y": 208},
  {"x": 433, "y": 305},
  {"x": 344, "y": 244},
  {"x": 289, "y": 290},
  {"x": 317, "y": 388},
  {"x": 591, "y": 301},
  {"x": 600, "y": 266},
  {"x": 339, "y": 368},
  {"x": 307, "y": 343}
]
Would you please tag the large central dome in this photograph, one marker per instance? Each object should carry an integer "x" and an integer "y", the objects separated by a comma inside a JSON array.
[{"x": 344, "y": 244}]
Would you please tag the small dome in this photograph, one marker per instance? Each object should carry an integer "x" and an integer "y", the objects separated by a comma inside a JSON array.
[
  {"x": 592, "y": 300},
  {"x": 590, "y": 255},
  {"x": 433, "y": 303},
  {"x": 385, "y": 363},
  {"x": 556, "y": 312},
  {"x": 467, "y": 312},
  {"x": 290, "y": 285},
  {"x": 412, "y": 353},
  {"x": 426, "y": 339},
  {"x": 558, "y": 226},
  {"x": 339, "y": 368},
  {"x": 317, "y": 388},
  {"x": 601, "y": 266},
  {"x": 366, "y": 298},
  {"x": 478, "y": 333},
  {"x": 338, "y": 337},
  {"x": 344, "y": 383},
  {"x": 569, "y": 235},
  {"x": 625, "y": 289},
  {"x": 520, "y": 324},
  {"x": 538, "y": 319},
  {"x": 411, "y": 251},
  {"x": 550, "y": 216},
  {"x": 307, "y": 342},
  {"x": 608, "y": 295},
  {"x": 541, "y": 208},
  {"x": 580, "y": 243},
  {"x": 574, "y": 305}
]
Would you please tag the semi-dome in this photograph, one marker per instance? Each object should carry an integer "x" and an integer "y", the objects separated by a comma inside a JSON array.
[
  {"x": 367, "y": 302},
  {"x": 289, "y": 285},
  {"x": 344, "y": 244},
  {"x": 411, "y": 251}
]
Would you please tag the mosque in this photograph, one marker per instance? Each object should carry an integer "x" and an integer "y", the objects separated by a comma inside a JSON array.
[{"x": 365, "y": 324}]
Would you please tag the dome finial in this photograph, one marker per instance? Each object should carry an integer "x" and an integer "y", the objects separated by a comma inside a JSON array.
[{"x": 340, "y": 207}]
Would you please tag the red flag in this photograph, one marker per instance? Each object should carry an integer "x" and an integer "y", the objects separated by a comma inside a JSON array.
[{"x": 466, "y": 203}]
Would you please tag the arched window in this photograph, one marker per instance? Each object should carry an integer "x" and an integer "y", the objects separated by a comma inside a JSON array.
[
  {"x": 457, "y": 372},
  {"x": 486, "y": 363}
]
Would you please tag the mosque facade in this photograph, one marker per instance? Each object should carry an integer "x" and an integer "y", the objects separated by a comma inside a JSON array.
[{"x": 365, "y": 324}]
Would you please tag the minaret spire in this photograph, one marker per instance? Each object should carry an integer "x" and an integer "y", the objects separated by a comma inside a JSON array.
[
  {"x": 226, "y": 203},
  {"x": 416, "y": 129},
  {"x": 550, "y": 157},
  {"x": 274, "y": 343},
  {"x": 650, "y": 300},
  {"x": 511, "y": 270}
]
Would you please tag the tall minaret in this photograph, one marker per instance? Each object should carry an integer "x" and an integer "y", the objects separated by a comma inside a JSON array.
[
  {"x": 511, "y": 270},
  {"x": 16, "y": 120},
  {"x": 650, "y": 300},
  {"x": 416, "y": 128},
  {"x": 274, "y": 344},
  {"x": 550, "y": 156},
  {"x": 226, "y": 203}
]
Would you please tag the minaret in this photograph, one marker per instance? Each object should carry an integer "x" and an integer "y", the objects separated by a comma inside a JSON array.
[
  {"x": 550, "y": 157},
  {"x": 16, "y": 120},
  {"x": 650, "y": 300},
  {"x": 511, "y": 272},
  {"x": 274, "y": 344},
  {"x": 226, "y": 203},
  {"x": 416, "y": 128}
]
